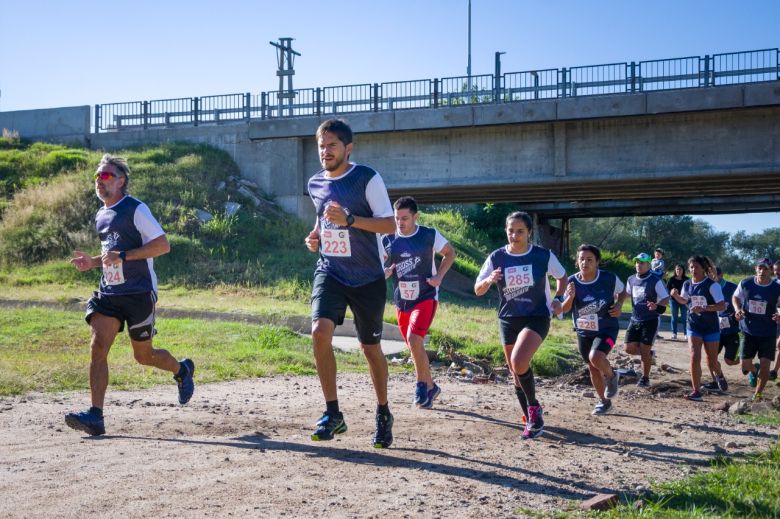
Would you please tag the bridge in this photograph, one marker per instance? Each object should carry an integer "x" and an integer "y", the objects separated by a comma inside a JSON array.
[{"x": 678, "y": 136}]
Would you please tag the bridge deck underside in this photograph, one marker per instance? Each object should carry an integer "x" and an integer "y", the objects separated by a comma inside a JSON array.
[{"x": 756, "y": 192}]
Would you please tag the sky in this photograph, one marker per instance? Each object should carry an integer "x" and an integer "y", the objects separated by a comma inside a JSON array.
[{"x": 85, "y": 52}]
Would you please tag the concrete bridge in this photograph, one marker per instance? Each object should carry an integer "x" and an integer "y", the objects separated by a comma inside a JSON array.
[{"x": 701, "y": 150}]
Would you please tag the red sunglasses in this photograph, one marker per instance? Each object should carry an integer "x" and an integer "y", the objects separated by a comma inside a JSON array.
[{"x": 104, "y": 175}]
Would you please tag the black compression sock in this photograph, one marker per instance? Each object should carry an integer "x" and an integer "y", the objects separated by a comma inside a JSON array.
[
  {"x": 529, "y": 387},
  {"x": 522, "y": 399},
  {"x": 383, "y": 409},
  {"x": 332, "y": 407},
  {"x": 97, "y": 411}
]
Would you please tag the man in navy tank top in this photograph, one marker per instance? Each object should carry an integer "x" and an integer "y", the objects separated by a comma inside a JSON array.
[
  {"x": 757, "y": 305},
  {"x": 410, "y": 255},
  {"x": 130, "y": 237},
  {"x": 353, "y": 211}
]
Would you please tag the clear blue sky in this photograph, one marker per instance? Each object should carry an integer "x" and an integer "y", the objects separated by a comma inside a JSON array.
[{"x": 85, "y": 52}]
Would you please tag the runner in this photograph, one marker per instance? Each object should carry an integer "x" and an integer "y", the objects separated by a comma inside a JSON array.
[
  {"x": 773, "y": 372},
  {"x": 353, "y": 209},
  {"x": 410, "y": 254},
  {"x": 130, "y": 237},
  {"x": 596, "y": 297},
  {"x": 756, "y": 302},
  {"x": 679, "y": 312},
  {"x": 520, "y": 271},
  {"x": 704, "y": 298},
  {"x": 729, "y": 330},
  {"x": 657, "y": 267},
  {"x": 648, "y": 302}
]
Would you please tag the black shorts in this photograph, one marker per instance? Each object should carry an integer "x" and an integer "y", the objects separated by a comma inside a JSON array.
[
  {"x": 136, "y": 309},
  {"x": 329, "y": 300},
  {"x": 763, "y": 346},
  {"x": 730, "y": 343},
  {"x": 603, "y": 342},
  {"x": 510, "y": 327},
  {"x": 643, "y": 332}
]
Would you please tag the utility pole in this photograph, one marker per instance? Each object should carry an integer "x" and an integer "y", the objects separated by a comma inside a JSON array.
[
  {"x": 286, "y": 58},
  {"x": 468, "y": 66}
]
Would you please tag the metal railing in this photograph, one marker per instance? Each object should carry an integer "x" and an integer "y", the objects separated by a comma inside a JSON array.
[{"x": 613, "y": 78}]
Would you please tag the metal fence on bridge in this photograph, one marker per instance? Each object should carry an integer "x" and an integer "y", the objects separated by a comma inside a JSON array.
[{"x": 614, "y": 78}]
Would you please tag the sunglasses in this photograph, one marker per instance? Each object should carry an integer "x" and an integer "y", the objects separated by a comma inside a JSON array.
[{"x": 104, "y": 175}]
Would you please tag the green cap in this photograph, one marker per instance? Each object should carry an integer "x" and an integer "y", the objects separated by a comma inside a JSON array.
[{"x": 643, "y": 256}]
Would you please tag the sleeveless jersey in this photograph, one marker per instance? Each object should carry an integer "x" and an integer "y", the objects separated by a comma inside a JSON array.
[
  {"x": 413, "y": 257},
  {"x": 705, "y": 292},
  {"x": 759, "y": 303},
  {"x": 127, "y": 225},
  {"x": 351, "y": 256},
  {"x": 592, "y": 302},
  {"x": 728, "y": 323},
  {"x": 524, "y": 288},
  {"x": 644, "y": 289}
]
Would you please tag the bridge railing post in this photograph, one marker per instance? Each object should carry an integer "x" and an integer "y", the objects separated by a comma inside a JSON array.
[
  {"x": 375, "y": 89},
  {"x": 146, "y": 114},
  {"x": 195, "y": 107},
  {"x": 247, "y": 106},
  {"x": 633, "y": 76},
  {"x": 318, "y": 101},
  {"x": 562, "y": 82},
  {"x": 436, "y": 93},
  {"x": 97, "y": 118},
  {"x": 263, "y": 105},
  {"x": 705, "y": 81}
]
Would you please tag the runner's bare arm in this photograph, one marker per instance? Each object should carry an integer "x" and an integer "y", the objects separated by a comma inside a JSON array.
[
  {"x": 336, "y": 214},
  {"x": 617, "y": 308},
  {"x": 481, "y": 287},
  {"x": 568, "y": 301},
  {"x": 152, "y": 249},
  {"x": 448, "y": 258},
  {"x": 312, "y": 241},
  {"x": 84, "y": 261}
]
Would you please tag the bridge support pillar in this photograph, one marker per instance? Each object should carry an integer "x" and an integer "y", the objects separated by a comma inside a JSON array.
[{"x": 553, "y": 235}]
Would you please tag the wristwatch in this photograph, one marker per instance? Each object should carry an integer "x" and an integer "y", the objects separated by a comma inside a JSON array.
[
  {"x": 350, "y": 220},
  {"x": 122, "y": 255}
]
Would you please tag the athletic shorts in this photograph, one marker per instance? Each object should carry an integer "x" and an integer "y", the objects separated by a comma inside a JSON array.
[
  {"x": 510, "y": 327},
  {"x": 418, "y": 319},
  {"x": 329, "y": 300},
  {"x": 602, "y": 342},
  {"x": 706, "y": 337},
  {"x": 763, "y": 346},
  {"x": 135, "y": 309},
  {"x": 730, "y": 343},
  {"x": 643, "y": 332}
]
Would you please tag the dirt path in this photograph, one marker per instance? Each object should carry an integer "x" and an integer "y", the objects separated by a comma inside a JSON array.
[{"x": 243, "y": 448}]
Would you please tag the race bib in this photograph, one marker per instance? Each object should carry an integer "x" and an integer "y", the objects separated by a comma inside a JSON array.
[
  {"x": 519, "y": 277},
  {"x": 724, "y": 323},
  {"x": 698, "y": 301},
  {"x": 410, "y": 290},
  {"x": 335, "y": 242},
  {"x": 756, "y": 307},
  {"x": 637, "y": 293},
  {"x": 114, "y": 275},
  {"x": 589, "y": 322}
]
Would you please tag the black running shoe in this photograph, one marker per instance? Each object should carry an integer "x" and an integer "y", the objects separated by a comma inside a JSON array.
[
  {"x": 328, "y": 426},
  {"x": 87, "y": 422},
  {"x": 712, "y": 387},
  {"x": 185, "y": 382},
  {"x": 383, "y": 436}
]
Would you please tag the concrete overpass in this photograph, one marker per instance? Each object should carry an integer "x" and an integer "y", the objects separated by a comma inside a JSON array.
[{"x": 701, "y": 150}]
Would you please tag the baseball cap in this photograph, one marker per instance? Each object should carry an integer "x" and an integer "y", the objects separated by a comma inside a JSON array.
[
  {"x": 643, "y": 256},
  {"x": 766, "y": 262}
]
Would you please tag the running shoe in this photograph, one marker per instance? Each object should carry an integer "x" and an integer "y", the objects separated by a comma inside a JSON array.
[
  {"x": 695, "y": 396},
  {"x": 432, "y": 394},
  {"x": 421, "y": 394},
  {"x": 383, "y": 436},
  {"x": 87, "y": 422},
  {"x": 752, "y": 379},
  {"x": 758, "y": 397},
  {"x": 613, "y": 385},
  {"x": 712, "y": 387},
  {"x": 772, "y": 374},
  {"x": 185, "y": 382},
  {"x": 602, "y": 406},
  {"x": 643, "y": 382},
  {"x": 722, "y": 384},
  {"x": 328, "y": 426},
  {"x": 535, "y": 425},
  {"x": 674, "y": 337}
]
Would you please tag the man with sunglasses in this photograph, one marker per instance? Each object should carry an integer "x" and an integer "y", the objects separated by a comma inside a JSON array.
[{"x": 130, "y": 237}]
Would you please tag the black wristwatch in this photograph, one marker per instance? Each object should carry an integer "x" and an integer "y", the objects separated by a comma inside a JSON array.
[
  {"x": 122, "y": 255},
  {"x": 350, "y": 220}
]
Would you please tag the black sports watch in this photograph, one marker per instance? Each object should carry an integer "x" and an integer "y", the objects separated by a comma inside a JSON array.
[
  {"x": 122, "y": 255},
  {"x": 350, "y": 220}
]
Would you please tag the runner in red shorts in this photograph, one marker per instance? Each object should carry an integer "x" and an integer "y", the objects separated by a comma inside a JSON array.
[{"x": 410, "y": 256}]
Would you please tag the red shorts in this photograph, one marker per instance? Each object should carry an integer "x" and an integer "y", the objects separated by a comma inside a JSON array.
[{"x": 418, "y": 320}]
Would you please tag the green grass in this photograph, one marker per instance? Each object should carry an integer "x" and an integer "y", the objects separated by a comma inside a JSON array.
[
  {"x": 48, "y": 350},
  {"x": 748, "y": 487}
]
